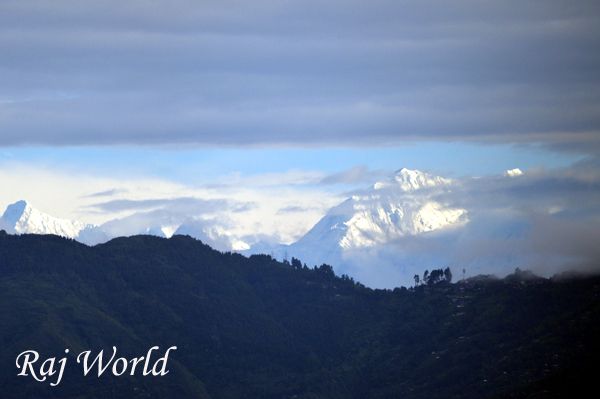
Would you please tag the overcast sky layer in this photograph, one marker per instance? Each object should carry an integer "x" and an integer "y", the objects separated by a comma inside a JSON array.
[{"x": 301, "y": 73}]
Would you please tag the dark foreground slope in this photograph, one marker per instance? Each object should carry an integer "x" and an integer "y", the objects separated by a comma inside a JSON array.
[{"x": 256, "y": 328}]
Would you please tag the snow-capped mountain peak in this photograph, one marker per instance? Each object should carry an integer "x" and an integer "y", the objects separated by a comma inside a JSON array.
[
  {"x": 21, "y": 218},
  {"x": 513, "y": 172},
  {"x": 411, "y": 180},
  {"x": 395, "y": 208},
  {"x": 382, "y": 226}
]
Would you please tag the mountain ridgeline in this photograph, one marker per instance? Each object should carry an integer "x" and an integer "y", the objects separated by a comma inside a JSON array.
[{"x": 258, "y": 328}]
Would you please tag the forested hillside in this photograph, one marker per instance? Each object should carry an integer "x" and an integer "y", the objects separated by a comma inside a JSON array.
[{"x": 257, "y": 328}]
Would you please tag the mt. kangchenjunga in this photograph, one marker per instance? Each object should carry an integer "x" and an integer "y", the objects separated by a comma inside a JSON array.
[{"x": 400, "y": 206}]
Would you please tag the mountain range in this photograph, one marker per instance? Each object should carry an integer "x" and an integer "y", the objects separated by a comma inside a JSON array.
[
  {"x": 377, "y": 225},
  {"x": 22, "y": 218},
  {"x": 387, "y": 211}
]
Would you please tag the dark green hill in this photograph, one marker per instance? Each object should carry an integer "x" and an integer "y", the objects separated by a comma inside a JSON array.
[{"x": 257, "y": 328}]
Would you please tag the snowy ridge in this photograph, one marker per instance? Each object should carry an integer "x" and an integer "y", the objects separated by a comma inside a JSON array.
[
  {"x": 411, "y": 180},
  {"x": 513, "y": 172},
  {"x": 22, "y": 218},
  {"x": 392, "y": 209},
  {"x": 376, "y": 226},
  {"x": 402, "y": 205}
]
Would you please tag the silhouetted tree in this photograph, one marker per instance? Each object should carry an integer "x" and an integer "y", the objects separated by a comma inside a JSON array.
[
  {"x": 437, "y": 275},
  {"x": 433, "y": 277},
  {"x": 327, "y": 270},
  {"x": 416, "y": 280},
  {"x": 296, "y": 264},
  {"x": 448, "y": 274}
]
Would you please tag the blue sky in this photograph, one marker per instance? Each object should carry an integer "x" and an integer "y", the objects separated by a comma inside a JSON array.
[{"x": 205, "y": 165}]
